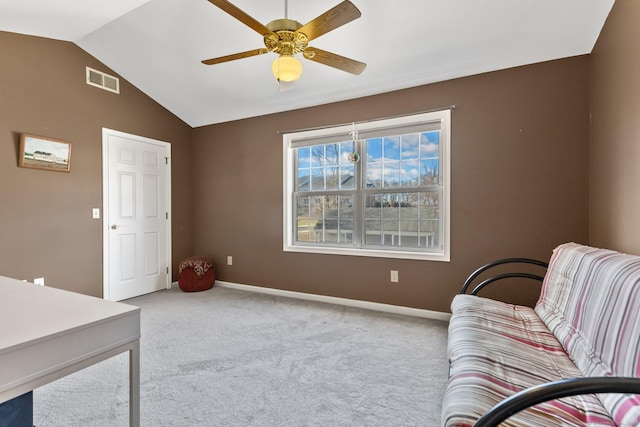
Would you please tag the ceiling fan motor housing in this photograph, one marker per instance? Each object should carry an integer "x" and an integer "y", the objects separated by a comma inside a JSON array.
[{"x": 285, "y": 41}]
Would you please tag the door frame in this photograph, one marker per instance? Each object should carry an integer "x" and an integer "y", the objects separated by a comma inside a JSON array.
[{"x": 106, "y": 132}]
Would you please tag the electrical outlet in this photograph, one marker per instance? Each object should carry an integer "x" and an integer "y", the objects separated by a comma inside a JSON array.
[
  {"x": 394, "y": 276},
  {"x": 229, "y": 260},
  {"x": 39, "y": 281}
]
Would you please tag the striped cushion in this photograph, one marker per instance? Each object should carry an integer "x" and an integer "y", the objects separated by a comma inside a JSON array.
[
  {"x": 497, "y": 349},
  {"x": 590, "y": 300}
]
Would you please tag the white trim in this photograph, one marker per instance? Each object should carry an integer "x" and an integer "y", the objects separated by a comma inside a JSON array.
[
  {"x": 105, "y": 224},
  {"x": 367, "y": 305},
  {"x": 367, "y": 252},
  {"x": 288, "y": 141},
  {"x": 106, "y": 132}
]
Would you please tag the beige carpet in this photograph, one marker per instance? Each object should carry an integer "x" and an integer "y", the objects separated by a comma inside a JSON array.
[{"x": 226, "y": 357}]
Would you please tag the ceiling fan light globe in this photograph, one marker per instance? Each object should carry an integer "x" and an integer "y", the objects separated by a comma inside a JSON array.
[{"x": 286, "y": 68}]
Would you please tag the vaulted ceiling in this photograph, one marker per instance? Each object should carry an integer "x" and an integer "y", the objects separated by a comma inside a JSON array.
[{"x": 157, "y": 45}]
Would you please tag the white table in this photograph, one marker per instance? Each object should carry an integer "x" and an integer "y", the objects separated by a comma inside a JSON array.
[{"x": 47, "y": 333}]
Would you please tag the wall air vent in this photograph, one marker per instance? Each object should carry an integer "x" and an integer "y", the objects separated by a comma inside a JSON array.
[{"x": 104, "y": 81}]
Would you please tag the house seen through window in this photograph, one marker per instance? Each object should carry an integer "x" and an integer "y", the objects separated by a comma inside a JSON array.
[{"x": 379, "y": 188}]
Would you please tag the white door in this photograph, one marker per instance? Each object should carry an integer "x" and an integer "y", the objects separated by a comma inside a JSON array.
[{"x": 137, "y": 229}]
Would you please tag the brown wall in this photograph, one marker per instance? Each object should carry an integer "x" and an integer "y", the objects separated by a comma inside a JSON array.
[
  {"x": 46, "y": 229},
  {"x": 519, "y": 177},
  {"x": 519, "y": 186},
  {"x": 615, "y": 131},
  {"x": 521, "y": 171}
]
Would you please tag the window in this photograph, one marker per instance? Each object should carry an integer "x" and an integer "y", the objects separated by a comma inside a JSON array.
[{"x": 378, "y": 188}]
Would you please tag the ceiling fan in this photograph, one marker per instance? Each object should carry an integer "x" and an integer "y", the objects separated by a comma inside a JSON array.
[{"x": 287, "y": 38}]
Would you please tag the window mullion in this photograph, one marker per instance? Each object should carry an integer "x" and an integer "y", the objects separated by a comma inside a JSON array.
[
  {"x": 324, "y": 218},
  {"x": 358, "y": 226}
]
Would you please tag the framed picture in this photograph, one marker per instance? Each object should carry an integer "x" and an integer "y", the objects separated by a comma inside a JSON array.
[{"x": 40, "y": 152}]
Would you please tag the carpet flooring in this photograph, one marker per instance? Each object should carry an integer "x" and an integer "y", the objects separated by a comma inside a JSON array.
[{"x": 227, "y": 357}]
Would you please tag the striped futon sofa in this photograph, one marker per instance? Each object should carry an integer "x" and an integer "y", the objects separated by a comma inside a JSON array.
[{"x": 575, "y": 356}]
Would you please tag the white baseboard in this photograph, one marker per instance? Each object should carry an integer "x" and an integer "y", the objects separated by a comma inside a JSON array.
[{"x": 387, "y": 308}]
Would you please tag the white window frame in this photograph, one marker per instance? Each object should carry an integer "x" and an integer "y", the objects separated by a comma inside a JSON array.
[{"x": 444, "y": 117}]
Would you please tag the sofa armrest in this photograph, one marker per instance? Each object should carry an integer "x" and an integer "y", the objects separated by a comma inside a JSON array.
[
  {"x": 513, "y": 274},
  {"x": 556, "y": 390}
]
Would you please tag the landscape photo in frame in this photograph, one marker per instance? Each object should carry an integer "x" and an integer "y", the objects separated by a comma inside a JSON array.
[{"x": 40, "y": 152}]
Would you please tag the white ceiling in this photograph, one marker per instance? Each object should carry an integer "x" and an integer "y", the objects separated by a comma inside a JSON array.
[{"x": 157, "y": 45}]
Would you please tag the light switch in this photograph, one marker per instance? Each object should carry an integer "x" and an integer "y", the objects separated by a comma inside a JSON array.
[{"x": 96, "y": 213}]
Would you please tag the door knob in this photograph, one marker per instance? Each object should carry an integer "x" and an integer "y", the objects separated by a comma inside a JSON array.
[{"x": 114, "y": 227}]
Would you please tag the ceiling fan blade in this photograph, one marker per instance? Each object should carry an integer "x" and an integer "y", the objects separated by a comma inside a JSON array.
[
  {"x": 336, "y": 61},
  {"x": 242, "y": 17},
  {"x": 333, "y": 18},
  {"x": 235, "y": 56}
]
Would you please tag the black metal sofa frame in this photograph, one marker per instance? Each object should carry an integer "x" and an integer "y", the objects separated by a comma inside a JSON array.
[{"x": 548, "y": 391}]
